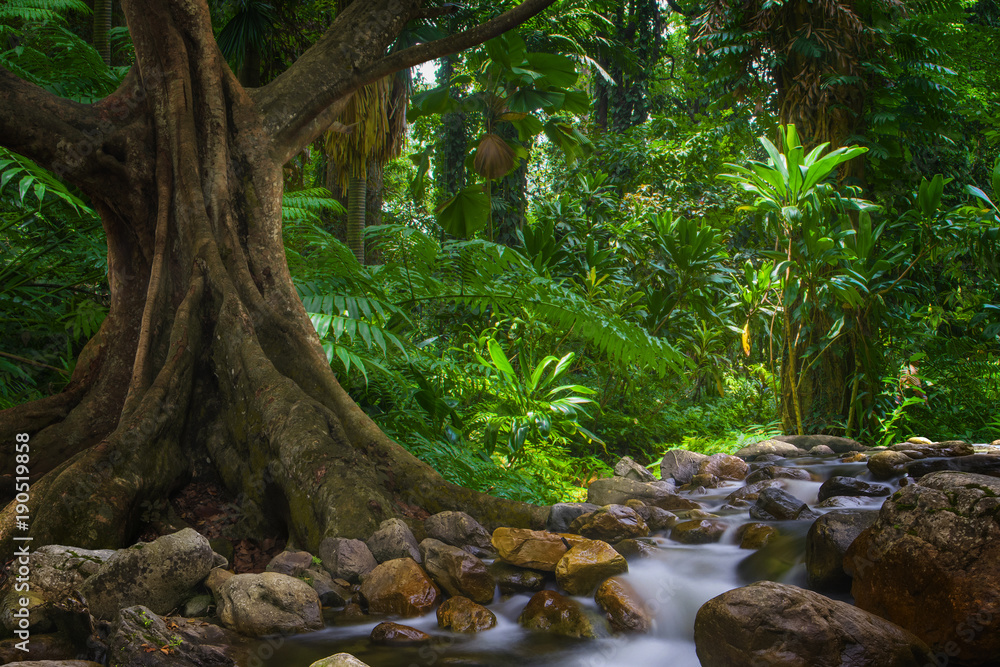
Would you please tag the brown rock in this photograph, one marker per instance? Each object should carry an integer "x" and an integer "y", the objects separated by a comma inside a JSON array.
[
  {"x": 399, "y": 586},
  {"x": 854, "y": 457},
  {"x": 702, "y": 481},
  {"x": 624, "y": 609},
  {"x": 680, "y": 464},
  {"x": 655, "y": 518},
  {"x": 640, "y": 548},
  {"x": 884, "y": 465},
  {"x": 930, "y": 564},
  {"x": 456, "y": 571},
  {"x": 457, "y": 529},
  {"x": 612, "y": 524},
  {"x": 536, "y": 549},
  {"x": 785, "y": 626},
  {"x": 586, "y": 565},
  {"x": 514, "y": 579},
  {"x": 755, "y": 535},
  {"x": 394, "y": 634},
  {"x": 724, "y": 466},
  {"x": 698, "y": 531},
  {"x": 460, "y": 614},
  {"x": 827, "y": 542},
  {"x": 618, "y": 490},
  {"x": 550, "y": 611}
]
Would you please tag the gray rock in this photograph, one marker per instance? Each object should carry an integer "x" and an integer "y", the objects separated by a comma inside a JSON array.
[
  {"x": 158, "y": 574},
  {"x": 628, "y": 468},
  {"x": 619, "y": 490},
  {"x": 774, "y": 503},
  {"x": 680, "y": 464},
  {"x": 845, "y": 502},
  {"x": 513, "y": 579},
  {"x": 198, "y": 606},
  {"x": 980, "y": 464},
  {"x": 821, "y": 450},
  {"x": 457, "y": 529},
  {"x": 330, "y": 593},
  {"x": 827, "y": 542},
  {"x": 267, "y": 604},
  {"x": 849, "y": 486},
  {"x": 57, "y": 570},
  {"x": 836, "y": 443},
  {"x": 563, "y": 514},
  {"x": 392, "y": 540},
  {"x": 346, "y": 559},
  {"x": 777, "y": 472},
  {"x": 292, "y": 563},
  {"x": 773, "y": 446},
  {"x": 779, "y": 625},
  {"x": 930, "y": 564},
  {"x": 612, "y": 523},
  {"x": 457, "y": 572},
  {"x": 138, "y": 629}
]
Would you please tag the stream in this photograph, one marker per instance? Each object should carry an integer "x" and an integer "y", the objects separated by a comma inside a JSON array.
[{"x": 674, "y": 582}]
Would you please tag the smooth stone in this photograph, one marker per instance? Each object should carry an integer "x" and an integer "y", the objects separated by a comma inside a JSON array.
[
  {"x": 268, "y": 603},
  {"x": 563, "y": 514},
  {"x": 724, "y": 467},
  {"x": 680, "y": 464},
  {"x": 394, "y": 634},
  {"x": 619, "y": 490},
  {"x": 393, "y": 540},
  {"x": 979, "y": 464},
  {"x": 339, "y": 660},
  {"x": 513, "y": 579},
  {"x": 549, "y": 611},
  {"x": 612, "y": 523},
  {"x": 623, "y": 607},
  {"x": 772, "y": 446},
  {"x": 849, "y": 486},
  {"x": 826, "y": 544},
  {"x": 887, "y": 464},
  {"x": 457, "y": 529},
  {"x": 346, "y": 559},
  {"x": 755, "y": 535},
  {"x": 457, "y": 572},
  {"x": 460, "y": 614},
  {"x": 399, "y": 586},
  {"x": 776, "y": 504},
  {"x": 586, "y": 565},
  {"x": 698, "y": 531},
  {"x": 634, "y": 549},
  {"x": 628, "y": 468},
  {"x": 535, "y": 549},
  {"x": 836, "y": 443}
]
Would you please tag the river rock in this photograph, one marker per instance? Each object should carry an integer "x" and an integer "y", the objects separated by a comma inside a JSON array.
[
  {"x": 140, "y": 638},
  {"x": 456, "y": 571},
  {"x": 58, "y": 570},
  {"x": 612, "y": 523},
  {"x": 854, "y": 457},
  {"x": 197, "y": 606},
  {"x": 457, "y": 529},
  {"x": 268, "y": 603},
  {"x": 513, "y": 579},
  {"x": 827, "y": 542},
  {"x": 394, "y": 634},
  {"x": 460, "y": 614},
  {"x": 821, "y": 450},
  {"x": 930, "y": 563},
  {"x": 724, "y": 466},
  {"x": 535, "y": 549},
  {"x": 745, "y": 496},
  {"x": 622, "y": 606},
  {"x": 346, "y": 559},
  {"x": 158, "y": 574},
  {"x": 755, "y": 535},
  {"x": 628, "y": 468},
  {"x": 618, "y": 490},
  {"x": 948, "y": 448},
  {"x": 776, "y": 504},
  {"x": 680, "y": 465},
  {"x": 339, "y": 660},
  {"x": 698, "y": 531},
  {"x": 399, "y": 586},
  {"x": 887, "y": 464},
  {"x": 702, "y": 481},
  {"x": 635, "y": 549},
  {"x": 850, "y": 486},
  {"x": 392, "y": 540},
  {"x": 331, "y": 594},
  {"x": 836, "y": 443},
  {"x": 979, "y": 464},
  {"x": 778, "y": 625},
  {"x": 216, "y": 577},
  {"x": 292, "y": 563},
  {"x": 655, "y": 518},
  {"x": 550, "y": 611},
  {"x": 770, "y": 472},
  {"x": 772, "y": 446},
  {"x": 843, "y": 502},
  {"x": 586, "y": 565},
  {"x": 563, "y": 514}
]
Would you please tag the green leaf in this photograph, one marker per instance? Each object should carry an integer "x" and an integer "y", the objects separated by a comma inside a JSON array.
[
  {"x": 466, "y": 213},
  {"x": 556, "y": 69},
  {"x": 499, "y": 358}
]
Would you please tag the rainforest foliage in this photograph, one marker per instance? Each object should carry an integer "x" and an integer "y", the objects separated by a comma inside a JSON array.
[{"x": 624, "y": 226}]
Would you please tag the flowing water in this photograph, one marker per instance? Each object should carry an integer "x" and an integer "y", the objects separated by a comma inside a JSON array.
[{"x": 675, "y": 582}]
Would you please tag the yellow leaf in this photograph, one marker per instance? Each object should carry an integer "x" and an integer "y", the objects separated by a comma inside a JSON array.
[
  {"x": 718, "y": 385},
  {"x": 746, "y": 338}
]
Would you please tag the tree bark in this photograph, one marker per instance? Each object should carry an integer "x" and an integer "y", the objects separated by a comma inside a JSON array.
[
  {"x": 207, "y": 351},
  {"x": 357, "y": 199}
]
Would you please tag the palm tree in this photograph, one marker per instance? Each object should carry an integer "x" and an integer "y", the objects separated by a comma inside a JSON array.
[{"x": 102, "y": 26}]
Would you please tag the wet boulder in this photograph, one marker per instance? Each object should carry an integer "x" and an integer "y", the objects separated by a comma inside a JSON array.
[
  {"x": 622, "y": 606},
  {"x": 158, "y": 574},
  {"x": 655, "y": 517},
  {"x": 680, "y": 465},
  {"x": 779, "y": 625},
  {"x": 535, "y": 549},
  {"x": 724, "y": 467},
  {"x": 771, "y": 472},
  {"x": 292, "y": 563},
  {"x": 457, "y": 572},
  {"x": 549, "y": 611},
  {"x": 850, "y": 486},
  {"x": 775, "y": 504},
  {"x": 612, "y": 523},
  {"x": 267, "y": 604},
  {"x": 772, "y": 446},
  {"x": 699, "y": 531},
  {"x": 339, "y": 660},
  {"x": 836, "y": 443},
  {"x": 457, "y": 529},
  {"x": 346, "y": 558},
  {"x": 140, "y": 638},
  {"x": 563, "y": 514},
  {"x": 392, "y": 540},
  {"x": 393, "y": 634},
  {"x": 399, "y": 586},
  {"x": 827, "y": 543},
  {"x": 755, "y": 535},
  {"x": 619, "y": 490},
  {"x": 460, "y": 614},
  {"x": 979, "y": 464},
  {"x": 930, "y": 564},
  {"x": 513, "y": 579},
  {"x": 887, "y": 464},
  {"x": 586, "y": 565}
]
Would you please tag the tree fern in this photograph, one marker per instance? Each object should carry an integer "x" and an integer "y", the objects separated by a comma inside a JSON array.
[{"x": 37, "y": 11}]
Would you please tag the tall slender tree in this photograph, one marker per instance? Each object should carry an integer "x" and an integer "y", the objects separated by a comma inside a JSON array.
[{"x": 207, "y": 352}]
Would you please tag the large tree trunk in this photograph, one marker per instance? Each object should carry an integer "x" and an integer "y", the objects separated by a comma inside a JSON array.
[{"x": 206, "y": 350}]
